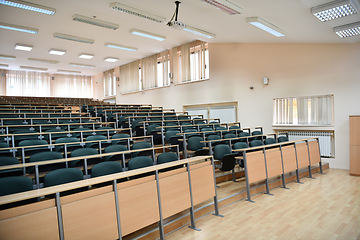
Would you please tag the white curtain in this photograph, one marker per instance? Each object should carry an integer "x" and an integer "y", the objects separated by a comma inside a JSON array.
[
  {"x": 185, "y": 63},
  {"x": 109, "y": 83},
  {"x": 149, "y": 72},
  {"x": 72, "y": 86},
  {"x": 315, "y": 110},
  {"x": 175, "y": 64},
  {"x": 22, "y": 83},
  {"x": 129, "y": 77}
]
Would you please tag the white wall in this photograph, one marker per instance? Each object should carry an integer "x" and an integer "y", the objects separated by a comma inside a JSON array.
[{"x": 293, "y": 70}]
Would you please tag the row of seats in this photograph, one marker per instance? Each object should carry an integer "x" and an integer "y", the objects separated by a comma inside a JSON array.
[{"x": 16, "y": 184}]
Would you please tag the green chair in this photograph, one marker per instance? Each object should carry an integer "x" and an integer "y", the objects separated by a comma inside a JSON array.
[
  {"x": 115, "y": 148},
  {"x": 222, "y": 152},
  {"x": 62, "y": 176},
  {"x": 45, "y": 156},
  {"x": 15, "y": 184},
  {"x": 234, "y": 128},
  {"x": 140, "y": 162},
  {"x": 170, "y": 134},
  {"x": 282, "y": 139},
  {"x": 96, "y": 144},
  {"x": 34, "y": 149},
  {"x": 120, "y": 136},
  {"x": 240, "y": 145},
  {"x": 84, "y": 132},
  {"x": 152, "y": 130},
  {"x": 70, "y": 147},
  {"x": 104, "y": 132},
  {"x": 4, "y": 161},
  {"x": 5, "y": 153},
  {"x": 84, "y": 152},
  {"x": 19, "y": 138},
  {"x": 55, "y": 134},
  {"x": 243, "y": 134},
  {"x": 214, "y": 137},
  {"x": 141, "y": 145},
  {"x": 259, "y": 134},
  {"x": 256, "y": 143},
  {"x": 167, "y": 157},
  {"x": 195, "y": 145},
  {"x": 269, "y": 141},
  {"x": 106, "y": 168}
]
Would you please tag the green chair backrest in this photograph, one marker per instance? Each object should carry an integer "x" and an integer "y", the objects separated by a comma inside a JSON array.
[
  {"x": 114, "y": 148},
  {"x": 44, "y": 156},
  {"x": 119, "y": 135},
  {"x": 15, "y": 184},
  {"x": 66, "y": 140},
  {"x": 167, "y": 157},
  {"x": 220, "y": 150},
  {"x": 213, "y": 137},
  {"x": 140, "y": 162},
  {"x": 94, "y": 138},
  {"x": 244, "y": 134},
  {"x": 240, "y": 145},
  {"x": 169, "y": 134},
  {"x": 283, "y": 139},
  {"x": 269, "y": 141},
  {"x": 255, "y": 143},
  {"x": 255, "y": 133},
  {"x": 62, "y": 176},
  {"x": 195, "y": 144},
  {"x": 230, "y": 135},
  {"x": 82, "y": 152},
  {"x": 106, "y": 168}
]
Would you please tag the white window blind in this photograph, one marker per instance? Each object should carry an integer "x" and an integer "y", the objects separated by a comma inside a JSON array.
[
  {"x": 22, "y": 83},
  {"x": 129, "y": 77},
  {"x": 109, "y": 83},
  {"x": 72, "y": 86},
  {"x": 313, "y": 110}
]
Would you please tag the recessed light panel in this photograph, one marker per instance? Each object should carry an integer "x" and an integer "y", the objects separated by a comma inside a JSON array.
[
  {"x": 335, "y": 9},
  {"x": 57, "y": 52},
  {"x": 67, "y": 71},
  {"x": 29, "y": 6},
  {"x": 136, "y": 12},
  {"x": 266, "y": 26},
  {"x": 348, "y": 30},
  {"x": 81, "y": 65},
  {"x": 23, "y": 47},
  {"x": 117, "y": 46},
  {"x": 95, "y": 22},
  {"x": 73, "y": 38},
  {"x": 18, "y": 28},
  {"x": 42, "y": 61},
  {"x": 147, "y": 35},
  {"x": 110, "y": 59},
  {"x": 86, "y": 56},
  {"x": 199, "y": 32},
  {"x": 33, "y": 68},
  {"x": 4, "y": 65},
  {"x": 7, "y": 57}
]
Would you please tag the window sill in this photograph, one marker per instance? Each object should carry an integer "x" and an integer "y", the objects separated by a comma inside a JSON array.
[
  {"x": 193, "y": 81},
  {"x": 304, "y": 127},
  {"x": 139, "y": 91}
]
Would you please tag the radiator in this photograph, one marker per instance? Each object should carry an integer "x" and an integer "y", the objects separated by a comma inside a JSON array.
[{"x": 325, "y": 140}]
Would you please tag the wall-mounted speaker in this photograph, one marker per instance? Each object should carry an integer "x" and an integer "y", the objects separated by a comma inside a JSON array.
[{"x": 53, "y": 78}]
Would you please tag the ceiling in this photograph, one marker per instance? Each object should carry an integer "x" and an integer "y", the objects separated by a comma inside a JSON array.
[{"x": 293, "y": 17}]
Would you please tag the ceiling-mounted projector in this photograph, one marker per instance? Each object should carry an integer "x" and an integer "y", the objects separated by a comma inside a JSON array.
[{"x": 176, "y": 24}]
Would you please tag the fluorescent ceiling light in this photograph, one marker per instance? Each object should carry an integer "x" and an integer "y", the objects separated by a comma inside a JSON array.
[
  {"x": 147, "y": 34},
  {"x": 4, "y": 65},
  {"x": 57, "y": 52},
  {"x": 266, "y": 26},
  {"x": 67, "y": 71},
  {"x": 73, "y": 38},
  {"x": 348, "y": 30},
  {"x": 18, "y": 28},
  {"x": 23, "y": 47},
  {"x": 136, "y": 12},
  {"x": 33, "y": 68},
  {"x": 199, "y": 32},
  {"x": 95, "y": 22},
  {"x": 113, "y": 45},
  {"x": 29, "y": 6},
  {"x": 225, "y": 6},
  {"x": 81, "y": 65},
  {"x": 86, "y": 56},
  {"x": 7, "y": 57},
  {"x": 42, "y": 61},
  {"x": 111, "y": 59},
  {"x": 335, "y": 9}
]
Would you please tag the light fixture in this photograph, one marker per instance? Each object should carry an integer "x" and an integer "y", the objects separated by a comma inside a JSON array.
[
  {"x": 29, "y": 6},
  {"x": 95, "y": 22},
  {"x": 73, "y": 38},
  {"x": 266, "y": 26},
  {"x": 33, "y": 68},
  {"x": 136, "y": 12},
  {"x": 147, "y": 34},
  {"x": 23, "y": 47},
  {"x": 57, "y": 52},
  {"x": 199, "y": 32},
  {"x": 86, "y": 56},
  {"x": 113, "y": 45},
  {"x": 7, "y": 57},
  {"x": 81, "y": 65},
  {"x": 4, "y": 65},
  {"x": 111, "y": 59},
  {"x": 225, "y": 6},
  {"x": 18, "y": 28},
  {"x": 335, "y": 9},
  {"x": 42, "y": 61},
  {"x": 67, "y": 71},
  {"x": 348, "y": 30}
]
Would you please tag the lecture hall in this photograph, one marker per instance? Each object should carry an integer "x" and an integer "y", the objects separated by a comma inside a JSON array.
[{"x": 192, "y": 119}]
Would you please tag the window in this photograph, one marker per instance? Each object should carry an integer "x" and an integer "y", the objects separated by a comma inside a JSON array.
[
  {"x": 314, "y": 110},
  {"x": 21, "y": 83},
  {"x": 109, "y": 83}
]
